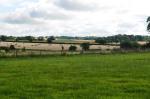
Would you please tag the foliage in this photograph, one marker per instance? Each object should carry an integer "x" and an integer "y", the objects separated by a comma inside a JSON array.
[
  {"x": 12, "y": 47},
  {"x": 148, "y": 21},
  {"x": 122, "y": 38},
  {"x": 23, "y": 49},
  {"x": 26, "y": 38},
  {"x": 85, "y": 46},
  {"x": 129, "y": 45},
  {"x": 108, "y": 39},
  {"x": 6, "y": 49},
  {"x": 72, "y": 48},
  {"x": 29, "y": 38},
  {"x": 146, "y": 46},
  {"x": 17, "y": 39},
  {"x": 40, "y": 38},
  {"x": 50, "y": 39},
  {"x": 3, "y": 38},
  {"x": 101, "y": 41}
]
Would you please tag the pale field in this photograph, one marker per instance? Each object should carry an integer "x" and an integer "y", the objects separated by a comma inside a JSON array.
[
  {"x": 84, "y": 41},
  {"x": 53, "y": 47},
  {"x": 142, "y": 42}
]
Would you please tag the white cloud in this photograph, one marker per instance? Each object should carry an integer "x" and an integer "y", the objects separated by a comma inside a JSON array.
[
  {"x": 78, "y": 5},
  {"x": 73, "y": 17},
  {"x": 6, "y": 1}
]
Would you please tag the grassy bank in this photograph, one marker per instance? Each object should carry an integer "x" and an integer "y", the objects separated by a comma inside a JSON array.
[{"x": 116, "y": 76}]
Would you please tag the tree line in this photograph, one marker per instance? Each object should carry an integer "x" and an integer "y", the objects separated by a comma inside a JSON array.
[
  {"x": 31, "y": 39},
  {"x": 121, "y": 38},
  {"x": 101, "y": 40}
]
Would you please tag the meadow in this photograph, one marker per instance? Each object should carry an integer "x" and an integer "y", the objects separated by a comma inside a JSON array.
[{"x": 113, "y": 76}]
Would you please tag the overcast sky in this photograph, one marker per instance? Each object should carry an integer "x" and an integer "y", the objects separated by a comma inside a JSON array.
[{"x": 73, "y": 17}]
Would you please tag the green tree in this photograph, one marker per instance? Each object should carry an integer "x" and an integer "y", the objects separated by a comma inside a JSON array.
[
  {"x": 72, "y": 48},
  {"x": 148, "y": 21},
  {"x": 29, "y": 38},
  {"x": 17, "y": 39},
  {"x": 3, "y": 38},
  {"x": 41, "y": 38},
  {"x": 129, "y": 45},
  {"x": 12, "y": 47},
  {"x": 146, "y": 46},
  {"x": 101, "y": 41},
  {"x": 85, "y": 46},
  {"x": 50, "y": 39}
]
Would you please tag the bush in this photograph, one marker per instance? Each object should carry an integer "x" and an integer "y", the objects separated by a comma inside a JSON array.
[
  {"x": 29, "y": 38},
  {"x": 17, "y": 39},
  {"x": 23, "y": 49},
  {"x": 12, "y": 47},
  {"x": 129, "y": 45},
  {"x": 72, "y": 48},
  {"x": 146, "y": 46},
  {"x": 100, "y": 41},
  {"x": 3, "y": 38},
  {"x": 85, "y": 46},
  {"x": 40, "y": 38},
  {"x": 50, "y": 39},
  {"x": 6, "y": 49}
]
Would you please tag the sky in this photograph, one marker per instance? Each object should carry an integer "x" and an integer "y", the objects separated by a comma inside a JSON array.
[{"x": 73, "y": 17}]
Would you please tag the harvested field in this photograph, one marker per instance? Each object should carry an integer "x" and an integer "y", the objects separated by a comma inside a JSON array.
[{"x": 53, "y": 47}]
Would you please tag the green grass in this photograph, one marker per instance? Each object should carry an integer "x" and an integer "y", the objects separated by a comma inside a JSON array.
[
  {"x": 115, "y": 76},
  {"x": 64, "y": 41}
]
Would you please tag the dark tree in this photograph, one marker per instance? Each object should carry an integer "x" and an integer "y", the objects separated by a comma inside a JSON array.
[
  {"x": 101, "y": 41},
  {"x": 146, "y": 46},
  {"x": 41, "y": 38},
  {"x": 17, "y": 39},
  {"x": 3, "y": 38},
  {"x": 85, "y": 46},
  {"x": 72, "y": 48},
  {"x": 29, "y": 38},
  {"x": 50, "y": 39},
  {"x": 129, "y": 45},
  {"x": 12, "y": 47},
  {"x": 148, "y": 21},
  {"x": 23, "y": 49},
  {"x": 6, "y": 49}
]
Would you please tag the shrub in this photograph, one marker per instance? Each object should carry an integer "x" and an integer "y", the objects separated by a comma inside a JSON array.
[
  {"x": 29, "y": 38},
  {"x": 146, "y": 46},
  {"x": 129, "y": 45},
  {"x": 100, "y": 41},
  {"x": 50, "y": 39},
  {"x": 6, "y": 49},
  {"x": 40, "y": 38},
  {"x": 85, "y": 46},
  {"x": 23, "y": 49},
  {"x": 3, "y": 38},
  {"x": 72, "y": 48},
  {"x": 12, "y": 47}
]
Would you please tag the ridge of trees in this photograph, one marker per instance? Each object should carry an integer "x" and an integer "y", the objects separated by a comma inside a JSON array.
[{"x": 103, "y": 40}]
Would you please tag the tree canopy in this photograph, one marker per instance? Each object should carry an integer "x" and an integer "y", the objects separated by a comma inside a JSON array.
[
  {"x": 50, "y": 39},
  {"x": 148, "y": 21},
  {"x": 85, "y": 46}
]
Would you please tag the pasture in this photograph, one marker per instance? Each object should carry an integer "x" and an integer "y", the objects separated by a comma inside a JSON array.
[{"x": 114, "y": 76}]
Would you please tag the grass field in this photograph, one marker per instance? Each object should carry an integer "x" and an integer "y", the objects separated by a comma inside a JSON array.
[{"x": 118, "y": 76}]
